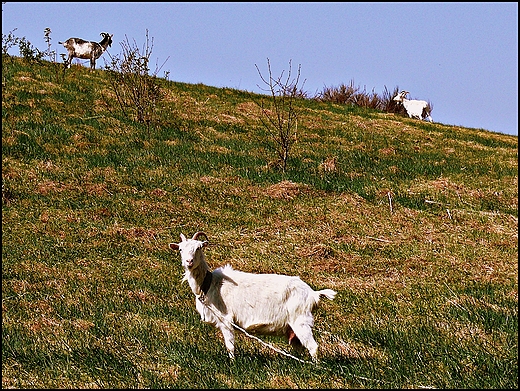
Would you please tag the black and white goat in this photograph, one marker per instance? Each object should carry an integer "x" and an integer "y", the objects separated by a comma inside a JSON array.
[
  {"x": 88, "y": 50},
  {"x": 260, "y": 303},
  {"x": 419, "y": 109}
]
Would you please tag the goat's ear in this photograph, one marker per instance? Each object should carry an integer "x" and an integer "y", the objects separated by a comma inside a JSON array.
[
  {"x": 205, "y": 243},
  {"x": 174, "y": 246}
]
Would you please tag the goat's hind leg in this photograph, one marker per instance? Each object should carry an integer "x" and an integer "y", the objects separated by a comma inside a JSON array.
[{"x": 303, "y": 330}]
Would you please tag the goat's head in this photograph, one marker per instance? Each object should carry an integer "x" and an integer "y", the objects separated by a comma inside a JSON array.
[
  {"x": 401, "y": 96},
  {"x": 107, "y": 37},
  {"x": 190, "y": 249}
]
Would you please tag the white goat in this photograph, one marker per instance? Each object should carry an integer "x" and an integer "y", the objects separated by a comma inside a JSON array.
[
  {"x": 80, "y": 48},
  {"x": 261, "y": 303},
  {"x": 419, "y": 109}
]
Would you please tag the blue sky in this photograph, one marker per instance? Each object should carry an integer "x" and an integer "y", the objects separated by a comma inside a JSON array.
[{"x": 462, "y": 57}]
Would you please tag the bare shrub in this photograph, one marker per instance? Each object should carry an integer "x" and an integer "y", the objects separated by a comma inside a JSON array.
[
  {"x": 351, "y": 95},
  {"x": 343, "y": 94},
  {"x": 368, "y": 100},
  {"x": 137, "y": 91},
  {"x": 278, "y": 113}
]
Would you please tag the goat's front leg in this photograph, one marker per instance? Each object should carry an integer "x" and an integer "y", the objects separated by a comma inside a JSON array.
[
  {"x": 229, "y": 338},
  {"x": 68, "y": 62}
]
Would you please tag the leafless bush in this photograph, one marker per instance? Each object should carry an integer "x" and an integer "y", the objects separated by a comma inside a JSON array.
[
  {"x": 278, "y": 113},
  {"x": 368, "y": 100},
  {"x": 351, "y": 95},
  {"x": 343, "y": 94},
  {"x": 137, "y": 91}
]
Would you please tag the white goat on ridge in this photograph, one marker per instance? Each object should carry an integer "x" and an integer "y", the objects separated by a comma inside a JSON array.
[
  {"x": 89, "y": 50},
  {"x": 262, "y": 303},
  {"x": 419, "y": 109}
]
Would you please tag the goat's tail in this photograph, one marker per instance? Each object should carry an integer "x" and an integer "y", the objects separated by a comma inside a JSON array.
[{"x": 328, "y": 293}]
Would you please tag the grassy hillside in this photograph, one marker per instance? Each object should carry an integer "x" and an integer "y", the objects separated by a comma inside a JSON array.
[{"x": 415, "y": 225}]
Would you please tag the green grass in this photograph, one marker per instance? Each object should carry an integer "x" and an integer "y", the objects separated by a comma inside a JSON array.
[{"x": 415, "y": 225}]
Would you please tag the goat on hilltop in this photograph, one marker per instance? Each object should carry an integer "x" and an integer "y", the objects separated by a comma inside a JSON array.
[
  {"x": 89, "y": 50},
  {"x": 419, "y": 109}
]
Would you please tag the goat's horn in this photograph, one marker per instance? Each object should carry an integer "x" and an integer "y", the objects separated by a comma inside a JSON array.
[{"x": 197, "y": 234}]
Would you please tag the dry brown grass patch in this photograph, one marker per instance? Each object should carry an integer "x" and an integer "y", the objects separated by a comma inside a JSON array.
[
  {"x": 332, "y": 346},
  {"x": 319, "y": 251},
  {"x": 248, "y": 108},
  {"x": 135, "y": 234},
  {"x": 230, "y": 119},
  {"x": 329, "y": 164},
  {"x": 142, "y": 296},
  {"x": 387, "y": 151},
  {"x": 210, "y": 179},
  {"x": 25, "y": 79},
  {"x": 282, "y": 382},
  {"x": 158, "y": 193},
  {"x": 285, "y": 190},
  {"x": 43, "y": 324},
  {"x": 169, "y": 373},
  {"x": 82, "y": 324},
  {"x": 217, "y": 149}
]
